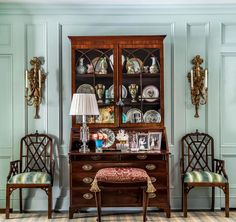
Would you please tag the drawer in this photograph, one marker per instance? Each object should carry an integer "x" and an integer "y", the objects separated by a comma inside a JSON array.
[
  {"x": 83, "y": 179},
  {"x": 83, "y": 197},
  {"x": 158, "y": 180},
  {"x": 95, "y": 157},
  {"x": 141, "y": 157},
  {"x": 159, "y": 197},
  {"x": 149, "y": 166}
]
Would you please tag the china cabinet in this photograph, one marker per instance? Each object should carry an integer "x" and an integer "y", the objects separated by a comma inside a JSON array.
[{"x": 127, "y": 75}]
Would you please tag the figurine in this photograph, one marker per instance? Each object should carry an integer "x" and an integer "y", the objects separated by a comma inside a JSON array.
[
  {"x": 90, "y": 68},
  {"x": 130, "y": 66},
  {"x": 103, "y": 64}
]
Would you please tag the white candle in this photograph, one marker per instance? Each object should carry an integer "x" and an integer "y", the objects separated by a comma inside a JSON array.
[
  {"x": 205, "y": 78},
  {"x": 191, "y": 78},
  {"x": 26, "y": 78},
  {"x": 39, "y": 78}
]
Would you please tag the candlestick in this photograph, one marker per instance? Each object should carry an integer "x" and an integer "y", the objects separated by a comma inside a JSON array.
[
  {"x": 39, "y": 78},
  {"x": 191, "y": 73},
  {"x": 26, "y": 79},
  {"x": 205, "y": 83}
]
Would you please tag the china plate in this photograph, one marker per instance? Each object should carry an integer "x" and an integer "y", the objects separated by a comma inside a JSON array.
[
  {"x": 138, "y": 65},
  {"x": 85, "y": 88},
  {"x": 152, "y": 116},
  {"x": 97, "y": 64},
  {"x": 110, "y": 137},
  {"x": 151, "y": 92},
  {"x": 111, "y": 91},
  {"x": 106, "y": 115},
  {"x": 134, "y": 115},
  {"x": 111, "y": 60}
]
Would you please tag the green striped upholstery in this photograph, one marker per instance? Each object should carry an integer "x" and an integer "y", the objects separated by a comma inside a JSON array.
[
  {"x": 31, "y": 178},
  {"x": 203, "y": 176}
]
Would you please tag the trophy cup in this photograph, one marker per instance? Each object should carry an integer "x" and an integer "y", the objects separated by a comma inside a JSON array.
[
  {"x": 100, "y": 89},
  {"x": 133, "y": 90}
]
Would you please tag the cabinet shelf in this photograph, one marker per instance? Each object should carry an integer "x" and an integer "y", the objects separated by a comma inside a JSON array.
[
  {"x": 93, "y": 75},
  {"x": 143, "y": 75}
]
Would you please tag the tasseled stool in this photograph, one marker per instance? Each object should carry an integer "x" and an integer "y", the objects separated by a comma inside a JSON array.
[{"x": 122, "y": 177}]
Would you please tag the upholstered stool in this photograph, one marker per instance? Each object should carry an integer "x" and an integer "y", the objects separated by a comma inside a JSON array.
[{"x": 122, "y": 177}]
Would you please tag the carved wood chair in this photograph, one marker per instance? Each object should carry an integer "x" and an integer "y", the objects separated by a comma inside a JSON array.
[
  {"x": 34, "y": 169},
  {"x": 199, "y": 168}
]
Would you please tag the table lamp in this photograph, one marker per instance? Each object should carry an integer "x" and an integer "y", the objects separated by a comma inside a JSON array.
[{"x": 84, "y": 105}]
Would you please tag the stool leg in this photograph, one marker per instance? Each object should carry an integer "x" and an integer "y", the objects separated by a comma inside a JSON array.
[
  {"x": 98, "y": 203},
  {"x": 145, "y": 204}
]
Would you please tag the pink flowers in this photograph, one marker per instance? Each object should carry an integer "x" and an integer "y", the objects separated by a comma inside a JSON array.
[{"x": 99, "y": 136}]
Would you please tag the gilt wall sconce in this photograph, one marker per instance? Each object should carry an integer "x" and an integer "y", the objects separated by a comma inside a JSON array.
[
  {"x": 34, "y": 80},
  {"x": 198, "y": 84}
]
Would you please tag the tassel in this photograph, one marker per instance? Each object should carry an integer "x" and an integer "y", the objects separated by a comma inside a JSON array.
[
  {"x": 94, "y": 186},
  {"x": 150, "y": 187}
]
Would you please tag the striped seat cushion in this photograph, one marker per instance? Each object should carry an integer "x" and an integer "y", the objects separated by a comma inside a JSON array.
[
  {"x": 31, "y": 178},
  {"x": 203, "y": 176}
]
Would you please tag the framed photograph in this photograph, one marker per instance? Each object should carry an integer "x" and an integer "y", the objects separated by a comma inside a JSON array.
[
  {"x": 133, "y": 139},
  {"x": 142, "y": 140},
  {"x": 154, "y": 140}
]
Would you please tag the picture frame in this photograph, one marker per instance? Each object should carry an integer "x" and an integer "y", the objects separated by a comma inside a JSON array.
[
  {"x": 142, "y": 140},
  {"x": 133, "y": 139},
  {"x": 154, "y": 140}
]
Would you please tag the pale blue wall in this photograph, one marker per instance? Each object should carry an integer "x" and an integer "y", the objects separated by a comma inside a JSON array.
[{"x": 27, "y": 31}]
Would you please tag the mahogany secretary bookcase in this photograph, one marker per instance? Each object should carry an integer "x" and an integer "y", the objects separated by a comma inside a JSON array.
[{"x": 127, "y": 75}]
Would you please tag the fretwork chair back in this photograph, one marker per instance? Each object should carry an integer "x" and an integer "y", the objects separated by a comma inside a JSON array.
[
  {"x": 34, "y": 169},
  {"x": 199, "y": 168}
]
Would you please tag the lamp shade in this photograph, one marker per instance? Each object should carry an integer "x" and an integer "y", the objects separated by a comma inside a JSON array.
[{"x": 84, "y": 104}]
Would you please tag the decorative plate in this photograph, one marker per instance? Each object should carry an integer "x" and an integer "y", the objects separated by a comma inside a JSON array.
[
  {"x": 136, "y": 63},
  {"x": 110, "y": 137},
  {"x": 85, "y": 88},
  {"x": 111, "y": 91},
  {"x": 152, "y": 116},
  {"x": 106, "y": 115},
  {"x": 134, "y": 115},
  {"x": 111, "y": 60},
  {"x": 97, "y": 64},
  {"x": 151, "y": 92}
]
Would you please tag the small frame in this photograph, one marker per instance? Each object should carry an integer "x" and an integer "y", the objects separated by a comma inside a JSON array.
[
  {"x": 142, "y": 140},
  {"x": 154, "y": 140},
  {"x": 133, "y": 139}
]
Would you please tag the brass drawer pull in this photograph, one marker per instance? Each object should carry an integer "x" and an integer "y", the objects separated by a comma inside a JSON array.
[
  {"x": 88, "y": 196},
  {"x": 87, "y": 180},
  {"x": 96, "y": 157},
  {"x": 153, "y": 179},
  {"x": 150, "y": 167},
  {"x": 142, "y": 156},
  {"x": 87, "y": 167},
  {"x": 152, "y": 195}
]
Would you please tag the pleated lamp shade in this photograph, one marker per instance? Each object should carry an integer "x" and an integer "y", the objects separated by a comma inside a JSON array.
[{"x": 84, "y": 104}]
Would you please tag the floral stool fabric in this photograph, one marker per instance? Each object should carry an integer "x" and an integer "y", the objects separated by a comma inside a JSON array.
[
  {"x": 122, "y": 175},
  {"x": 30, "y": 178}
]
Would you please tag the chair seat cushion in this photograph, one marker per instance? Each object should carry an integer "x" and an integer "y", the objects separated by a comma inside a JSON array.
[
  {"x": 203, "y": 176},
  {"x": 122, "y": 175},
  {"x": 30, "y": 178}
]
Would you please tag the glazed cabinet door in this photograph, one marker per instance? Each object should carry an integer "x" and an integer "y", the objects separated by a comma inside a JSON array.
[
  {"x": 94, "y": 70},
  {"x": 141, "y": 85}
]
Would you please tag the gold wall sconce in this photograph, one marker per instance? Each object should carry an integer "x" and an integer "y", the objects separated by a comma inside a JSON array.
[
  {"x": 34, "y": 80},
  {"x": 198, "y": 84}
]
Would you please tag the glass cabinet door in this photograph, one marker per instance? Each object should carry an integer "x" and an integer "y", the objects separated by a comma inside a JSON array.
[
  {"x": 141, "y": 85},
  {"x": 94, "y": 72}
]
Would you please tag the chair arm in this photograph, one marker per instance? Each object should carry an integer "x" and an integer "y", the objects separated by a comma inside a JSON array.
[
  {"x": 15, "y": 168},
  {"x": 52, "y": 169},
  {"x": 220, "y": 167}
]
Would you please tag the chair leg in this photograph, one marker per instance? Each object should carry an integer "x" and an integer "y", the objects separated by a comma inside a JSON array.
[
  {"x": 7, "y": 202},
  {"x": 98, "y": 203},
  {"x": 20, "y": 195},
  {"x": 185, "y": 200},
  {"x": 49, "y": 202},
  {"x": 145, "y": 204},
  {"x": 227, "y": 200},
  {"x": 213, "y": 199}
]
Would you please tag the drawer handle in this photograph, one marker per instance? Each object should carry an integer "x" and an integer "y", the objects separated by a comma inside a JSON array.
[
  {"x": 87, "y": 167},
  {"x": 87, "y": 180},
  {"x": 152, "y": 195},
  {"x": 96, "y": 157},
  {"x": 153, "y": 179},
  {"x": 88, "y": 196},
  {"x": 150, "y": 167},
  {"x": 142, "y": 156}
]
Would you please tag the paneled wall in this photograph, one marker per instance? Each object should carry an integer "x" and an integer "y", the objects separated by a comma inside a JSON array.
[{"x": 39, "y": 30}]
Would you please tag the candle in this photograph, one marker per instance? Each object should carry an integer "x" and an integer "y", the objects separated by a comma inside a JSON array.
[
  {"x": 39, "y": 78},
  {"x": 191, "y": 79},
  {"x": 205, "y": 78},
  {"x": 26, "y": 79}
]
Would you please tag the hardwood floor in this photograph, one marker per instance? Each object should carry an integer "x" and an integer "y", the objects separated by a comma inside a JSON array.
[{"x": 196, "y": 216}]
